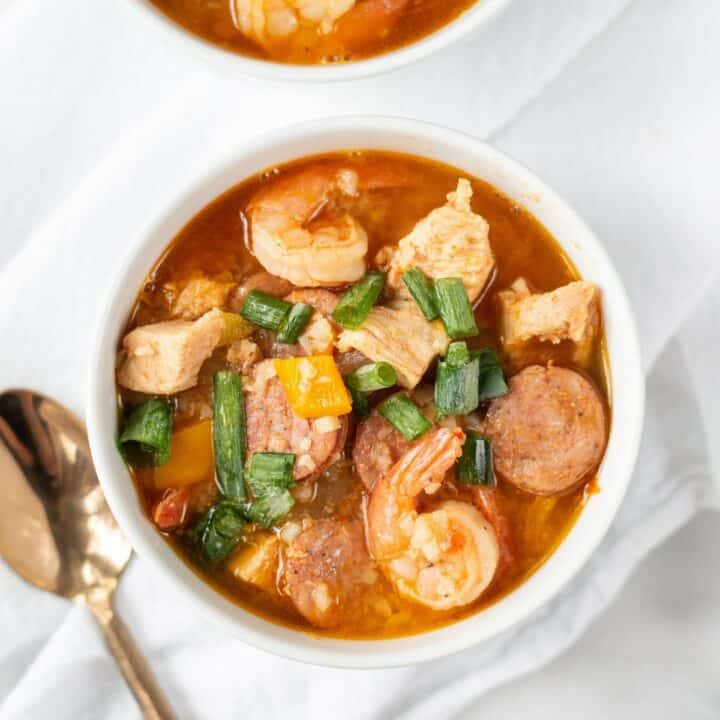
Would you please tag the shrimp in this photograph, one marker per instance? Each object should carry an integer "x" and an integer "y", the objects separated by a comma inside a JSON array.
[
  {"x": 344, "y": 24},
  {"x": 290, "y": 243},
  {"x": 301, "y": 229},
  {"x": 268, "y": 21},
  {"x": 444, "y": 558}
]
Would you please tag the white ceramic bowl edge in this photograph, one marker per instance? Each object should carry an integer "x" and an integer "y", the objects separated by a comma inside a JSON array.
[{"x": 181, "y": 40}]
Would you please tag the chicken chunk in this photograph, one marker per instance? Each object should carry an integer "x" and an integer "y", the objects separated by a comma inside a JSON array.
[
  {"x": 256, "y": 561},
  {"x": 400, "y": 337},
  {"x": 452, "y": 241},
  {"x": 200, "y": 295},
  {"x": 242, "y": 355},
  {"x": 273, "y": 427},
  {"x": 571, "y": 312},
  {"x": 164, "y": 358}
]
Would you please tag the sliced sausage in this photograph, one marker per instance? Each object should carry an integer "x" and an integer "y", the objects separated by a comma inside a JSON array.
[
  {"x": 378, "y": 446},
  {"x": 273, "y": 427},
  {"x": 322, "y": 300},
  {"x": 350, "y": 361},
  {"x": 320, "y": 333},
  {"x": 325, "y": 567},
  {"x": 549, "y": 432},
  {"x": 262, "y": 281}
]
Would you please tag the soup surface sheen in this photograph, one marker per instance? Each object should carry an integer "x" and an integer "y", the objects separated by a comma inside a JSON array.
[
  {"x": 215, "y": 243},
  {"x": 314, "y": 32}
]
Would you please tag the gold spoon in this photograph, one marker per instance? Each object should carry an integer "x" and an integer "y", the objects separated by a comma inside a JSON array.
[{"x": 56, "y": 530}]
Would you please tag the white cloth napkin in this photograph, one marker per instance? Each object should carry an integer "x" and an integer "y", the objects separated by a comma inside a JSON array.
[{"x": 613, "y": 103}]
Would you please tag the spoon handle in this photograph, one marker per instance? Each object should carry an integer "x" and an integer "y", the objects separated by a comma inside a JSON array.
[{"x": 135, "y": 670}]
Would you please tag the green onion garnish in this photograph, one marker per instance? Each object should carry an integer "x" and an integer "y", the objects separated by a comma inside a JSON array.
[
  {"x": 475, "y": 466},
  {"x": 220, "y": 530},
  {"x": 229, "y": 434},
  {"x": 145, "y": 439},
  {"x": 271, "y": 471},
  {"x": 355, "y": 305},
  {"x": 360, "y": 402},
  {"x": 422, "y": 291},
  {"x": 456, "y": 382},
  {"x": 457, "y": 354},
  {"x": 454, "y": 308},
  {"x": 371, "y": 377},
  {"x": 263, "y": 310},
  {"x": 294, "y": 323},
  {"x": 491, "y": 379},
  {"x": 404, "y": 415},
  {"x": 270, "y": 509},
  {"x": 269, "y": 478}
]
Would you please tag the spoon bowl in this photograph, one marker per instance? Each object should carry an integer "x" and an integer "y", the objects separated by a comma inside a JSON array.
[{"x": 56, "y": 530}]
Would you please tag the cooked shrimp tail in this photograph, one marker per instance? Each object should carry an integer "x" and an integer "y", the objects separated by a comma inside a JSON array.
[
  {"x": 302, "y": 229},
  {"x": 444, "y": 558}
]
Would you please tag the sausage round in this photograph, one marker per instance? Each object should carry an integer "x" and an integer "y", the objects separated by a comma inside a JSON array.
[
  {"x": 549, "y": 432},
  {"x": 378, "y": 446},
  {"x": 272, "y": 426},
  {"x": 326, "y": 567}
]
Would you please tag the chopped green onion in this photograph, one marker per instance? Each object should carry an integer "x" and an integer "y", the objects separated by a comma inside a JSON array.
[
  {"x": 404, "y": 415},
  {"x": 229, "y": 434},
  {"x": 422, "y": 291},
  {"x": 145, "y": 439},
  {"x": 371, "y": 377},
  {"x": 220, "y": 530},
  {"x": 457, "y": 354},
  {"x": 269, "y": 477},
  {"x": 269, "y": 510},
  {"x": 355, "y": 305},
  {"x": 360, "y": 402},
  {"x": 271, "y": 471},
  {"x": 475, "y": 466},
  {"x": 265, "y": 311},
  {"x": 491, "y": 379},
  {"x": 294, "y": 323},
  {"x": 456, "y": 384},
  {"x": 454, "y": 308}
]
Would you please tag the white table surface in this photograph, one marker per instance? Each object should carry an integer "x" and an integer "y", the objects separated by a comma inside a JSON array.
[{"x": 654, "y": 653}]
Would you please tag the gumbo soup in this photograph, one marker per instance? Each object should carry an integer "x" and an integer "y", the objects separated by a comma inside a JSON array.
[
  {"x": 313, "y": 31},
  {"x": 364, "y": 394}
]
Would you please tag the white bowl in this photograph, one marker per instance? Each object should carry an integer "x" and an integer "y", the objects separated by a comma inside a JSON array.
[
  {"x": 183, "y": 40},
  {"x": 475, "y": 158}
]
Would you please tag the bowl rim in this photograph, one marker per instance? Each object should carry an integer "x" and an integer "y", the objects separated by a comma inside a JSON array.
[
  {"x": 536, "y": 591},
  {"x": 182, "y": 39}
]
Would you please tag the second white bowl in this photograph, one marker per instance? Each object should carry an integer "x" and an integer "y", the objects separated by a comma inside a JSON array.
[{"x": 181, "y": 40}]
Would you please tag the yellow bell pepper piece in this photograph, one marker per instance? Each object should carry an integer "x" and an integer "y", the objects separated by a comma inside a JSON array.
[
  {"x": 313, "y": 386},
  {"x": 235, "y": 327},
  {"x": 191, "y": 457}
]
